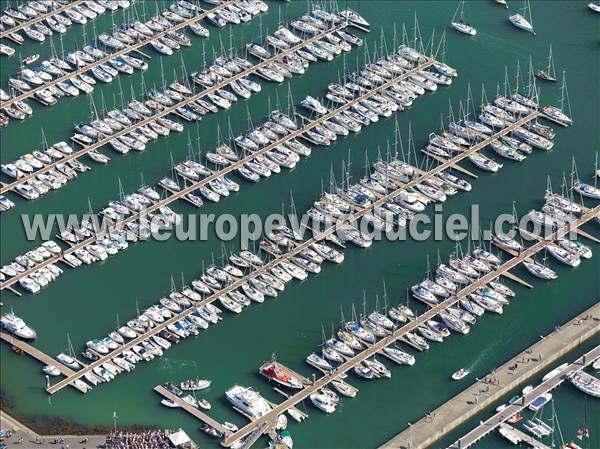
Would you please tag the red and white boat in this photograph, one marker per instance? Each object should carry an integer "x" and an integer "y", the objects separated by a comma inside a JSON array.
[{"x": 281, "y": 375}]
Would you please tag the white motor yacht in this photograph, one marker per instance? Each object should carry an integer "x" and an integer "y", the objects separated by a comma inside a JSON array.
[
  {"x": 248, "y": 400},
  {"x": 323, "y": 402},
  {"x": 16, "y": 326}
]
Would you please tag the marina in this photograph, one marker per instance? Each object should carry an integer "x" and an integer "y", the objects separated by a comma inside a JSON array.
[
  {"x": 174, "y": 195},
  {"x": 135, "y": 47},
  {"x": 524, "y": 255},
  {"x": 163, "y": 112},
  {"x": 447, "y": 164},
  {"x": 397, "y": 334},
  {"x": 463, "y": 406},
  {"x": 299, "y": 324},
  {"x": 27, "y": 23}
]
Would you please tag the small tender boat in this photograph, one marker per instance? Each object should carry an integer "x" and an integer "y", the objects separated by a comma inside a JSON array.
[
  {"x": 194, "y": 384},
  {"x": 460, "y": 374}
]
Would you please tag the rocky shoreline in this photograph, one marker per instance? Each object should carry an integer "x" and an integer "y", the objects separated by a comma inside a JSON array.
[{"x": 52, "y": 426}]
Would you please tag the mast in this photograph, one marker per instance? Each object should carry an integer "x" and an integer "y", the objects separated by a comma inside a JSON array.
[
  {"x": 551, "y": 69},
  {"x": 527, "y": 13},
  {"x": 564, "y": 95}
]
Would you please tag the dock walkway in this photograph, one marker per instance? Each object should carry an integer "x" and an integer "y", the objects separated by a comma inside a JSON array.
[
  {"x": 410, "y": 326},
  {"x": 128, "y": 49},
  {"x": 527, "y": 438},
  {"x": 215, "y": 175},
  {"x": 480, "y": 395},
  {"x": 37, "y": 354},
  {"x": 27, "y": 23},
  {"x": 166, "y": 110},
  {"x": 191, "y": 409}
]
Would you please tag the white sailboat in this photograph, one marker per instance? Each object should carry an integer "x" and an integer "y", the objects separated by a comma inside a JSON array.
[
  {"x": 523, "y": 21},
  {"x": 458, "y": 21},
  {"x": 560, "y": 115}
]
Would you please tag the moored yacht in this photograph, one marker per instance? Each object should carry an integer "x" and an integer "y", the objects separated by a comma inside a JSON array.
[
  {"x": 16, "y": 326},
  {"x": 248, "y": 401},
  {"x": 280, "y": 375}
]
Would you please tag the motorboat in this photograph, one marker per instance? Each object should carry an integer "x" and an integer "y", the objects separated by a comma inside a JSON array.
[
  {"x": 280, "y": 375},
  {"x": 354, "y": 18},
  {"x": 248, "y": 401},
  {"x": 540, "y": 401},
  {"x": 16, "y": 326},
  {"x": 562, "y": 255},
  {"x": 323, "y": 402}
]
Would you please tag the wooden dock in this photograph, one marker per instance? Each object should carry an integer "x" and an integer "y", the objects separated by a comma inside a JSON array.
[
  {"x": 215, "y": 175},
  {"x": 399, "y": 333},
  {"x": 536, "y": 444},
  {"x": 481, "y": 394},
  {"x": 27, "y": 23},
  {"x": 517, "y": 279},
  {"x": 194, "y": 411},
  {"x": 105, "y": 140},
  {"x": 299, "y": 412},
  {"x": 131, "y": 48},
  {"x": 38, "y": 355}
]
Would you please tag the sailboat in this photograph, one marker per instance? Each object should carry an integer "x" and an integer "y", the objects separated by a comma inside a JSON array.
[
  {"x": 458, "y": 22},
  {"x": 586, "y": 190},
  {"x": 502, "y": 2},
  {"x": 559, "y": 115},
  {"x": 549, "y": 74},
  {"x": 523, "y": 21}
]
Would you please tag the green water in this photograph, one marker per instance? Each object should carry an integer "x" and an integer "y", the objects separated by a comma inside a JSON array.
[{"x": 85, "y": 303}]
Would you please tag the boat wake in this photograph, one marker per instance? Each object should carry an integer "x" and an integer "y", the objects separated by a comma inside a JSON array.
[
  {"x": 172, "y": 366},
  {"x": 489, "y": 348}
]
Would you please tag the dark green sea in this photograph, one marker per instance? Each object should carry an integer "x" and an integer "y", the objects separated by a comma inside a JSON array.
[{"x": 88, "y": 302}]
